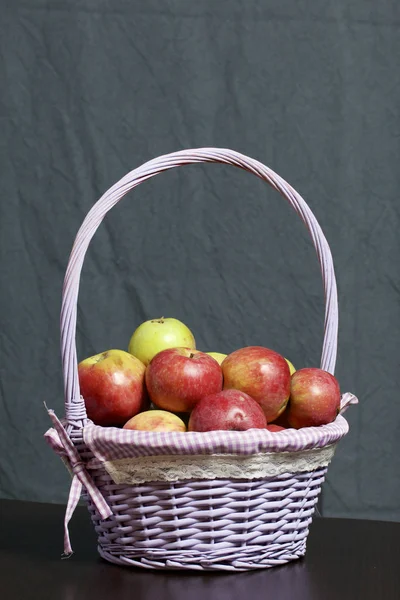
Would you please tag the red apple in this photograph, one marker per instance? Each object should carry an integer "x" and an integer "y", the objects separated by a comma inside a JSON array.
[
  {"x": 112, "y": 385},
  {"x": 262, "y": 374},
  {"x": 273, "y": 427},
  {"x": 178, "y": 378},
  {"x": 229, "y": 410},
  {"x": 314, "y": 398}
]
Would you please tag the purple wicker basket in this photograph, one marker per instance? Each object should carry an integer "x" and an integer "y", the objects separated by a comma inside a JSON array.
[{"x": 202, "y": 501}]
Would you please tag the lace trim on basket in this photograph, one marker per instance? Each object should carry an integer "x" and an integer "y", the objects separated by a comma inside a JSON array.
[{"x": 217, "y": 466}]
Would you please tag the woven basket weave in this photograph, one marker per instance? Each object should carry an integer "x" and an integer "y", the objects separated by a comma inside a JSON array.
[{"x": 218, "y": 501}]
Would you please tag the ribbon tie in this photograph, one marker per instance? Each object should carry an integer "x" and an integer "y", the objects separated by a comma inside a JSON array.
[
  {"x": 347, "y": 400},
  {"x": 64, "y": 447}
]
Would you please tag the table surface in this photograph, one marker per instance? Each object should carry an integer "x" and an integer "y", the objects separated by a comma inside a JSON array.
[{"x": 346, "y": 559}]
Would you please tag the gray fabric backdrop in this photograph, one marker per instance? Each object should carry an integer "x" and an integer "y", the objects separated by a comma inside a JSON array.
[{"x": 90, "y": 90}]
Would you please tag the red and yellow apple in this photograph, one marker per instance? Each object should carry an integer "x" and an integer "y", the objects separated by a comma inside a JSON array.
[
  {"x": 274, "y": 427},
  {"x": 155, "y": 420},
  {"x": 178, "y": 378},
  {"x": 151, "y": 337},
  {"x": 218, "y": 356},
  {"x": 262, "y": 374},
  {"x": 291, "y": 366},
  {"x": 229, "y": 410},
  {"x": 314, "y": 398},
  {"x": 112, "y": 385}
]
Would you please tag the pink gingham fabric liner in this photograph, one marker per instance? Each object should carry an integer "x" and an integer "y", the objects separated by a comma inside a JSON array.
[{"x": 110, "y": 443}]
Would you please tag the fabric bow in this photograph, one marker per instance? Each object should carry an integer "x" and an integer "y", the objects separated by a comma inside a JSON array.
[
  {"x": 347, "y": 400},
  {"x": 63, "y": 446}
]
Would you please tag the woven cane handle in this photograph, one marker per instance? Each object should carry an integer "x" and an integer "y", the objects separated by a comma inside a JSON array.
[{"x": 74, "y": 404}]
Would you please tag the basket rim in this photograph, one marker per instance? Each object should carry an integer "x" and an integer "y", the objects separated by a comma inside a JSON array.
[{"x": 112, "y": 443}]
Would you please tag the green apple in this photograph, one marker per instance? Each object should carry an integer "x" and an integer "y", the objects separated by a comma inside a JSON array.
[
  {"x": 151, "y": 337},
  {"x": 217, "y": 356},
  {"x": 291, "y": 367}
]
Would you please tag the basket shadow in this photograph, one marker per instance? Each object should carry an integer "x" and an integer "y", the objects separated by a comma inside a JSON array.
[{"x": 168, "y": 585}]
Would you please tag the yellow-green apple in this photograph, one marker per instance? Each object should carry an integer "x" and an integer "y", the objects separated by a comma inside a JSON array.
[
  {"x": 155, "y": 420},
  {"x": 112, "y": 385},
  {"x": 261, "y": 373},
  {"x": 291, "y": 367},
  {"x": 229, "y": 410},
  {"x": 178, "y": 378},
  {"x": 274, "y": 427},
  {"x": 151, "y": 337},
  {"x": 217, "y": 356},
  {"x": 314, "y": 398}
]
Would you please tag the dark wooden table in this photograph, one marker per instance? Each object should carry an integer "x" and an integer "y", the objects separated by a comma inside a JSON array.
[{"x": 346, "y": 559}]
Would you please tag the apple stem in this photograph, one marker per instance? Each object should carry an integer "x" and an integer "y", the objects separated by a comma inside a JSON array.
[{"x": 191, "y": 355}]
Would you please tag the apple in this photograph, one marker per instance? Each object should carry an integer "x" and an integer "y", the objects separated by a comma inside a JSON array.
[
  {"x": 262, "y": 374},
  {"x": 229, "y": 410},
  {"x": 151, "y": 337},
  {"x": 291, "y": 367},
  {"x": 178, "y": 378},
  {"x": 282, "y": 420},
  {"x": 314, "y": 398},
  {"x": 113, "y": 387},
  {"x": 217, "y": 356},
  {"x": 274, "y": 427},
  {"x": 155, "y": 420}
]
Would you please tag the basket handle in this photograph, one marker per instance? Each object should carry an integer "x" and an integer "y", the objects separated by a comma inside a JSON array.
[{"x": 74, "y": 403}]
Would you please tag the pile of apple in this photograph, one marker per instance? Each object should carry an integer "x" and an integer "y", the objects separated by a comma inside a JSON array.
[{"x": 164, "y": 384}]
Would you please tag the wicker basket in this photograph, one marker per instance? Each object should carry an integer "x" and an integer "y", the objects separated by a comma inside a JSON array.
[{"x": 204, "y": 501}]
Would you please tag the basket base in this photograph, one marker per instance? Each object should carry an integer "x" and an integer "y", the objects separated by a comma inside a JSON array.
[
  {"x": 246, "y": 559},
  {"x": 207, "y": 525}
]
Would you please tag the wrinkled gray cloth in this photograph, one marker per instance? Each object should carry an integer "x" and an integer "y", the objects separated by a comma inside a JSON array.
[{"x": 90, "y": 90}]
